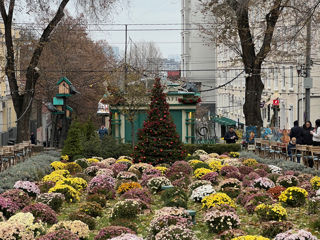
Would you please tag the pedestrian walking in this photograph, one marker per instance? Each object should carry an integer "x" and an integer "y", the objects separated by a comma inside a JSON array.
[
  {"x": 316, "y": 134},
  {"x": 102, "y": 132},
  {"x": 231, "y": 136}
]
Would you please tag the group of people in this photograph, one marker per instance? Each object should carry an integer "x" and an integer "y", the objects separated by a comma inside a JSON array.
[{"x": 305, "y": 135}]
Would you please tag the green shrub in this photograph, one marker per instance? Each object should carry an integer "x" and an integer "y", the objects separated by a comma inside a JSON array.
[
  {"x": 92, "y": 146},
  {"x": 78, "y": 157},
  {"x": 125, "y": 223},
  {"x": 272, "y": 228},
  {"x": 287, "y": 165},
  {"x": 201, "y": 165},
  {"x": 73, "y": 143},
  {"x": 111, "y": 148},
  {"x": 174, "y": 197},
  {"x": 315, "y": 224},
  {"x": 85, "y": 218},
  {"x": 97, "y": 198},
  {"x": 213, "y": 148},
  {"x": 82, "y": 162},
  {"x": 32, "y": 169},
  {"x": 126, "y": 209},
  {"x": 93, "y": 209}
]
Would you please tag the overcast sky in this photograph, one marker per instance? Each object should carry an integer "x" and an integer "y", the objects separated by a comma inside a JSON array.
[{"x": 146, "y": 12}]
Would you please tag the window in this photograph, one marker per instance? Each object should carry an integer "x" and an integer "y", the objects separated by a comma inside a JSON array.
[
  {"x": 276, "y": 79},
  {"x": 291, "y": 115},
  {"x": 291, "y": 78},
  {"x": 270, "y": 75},
  {"x": 283, "y": 77}
]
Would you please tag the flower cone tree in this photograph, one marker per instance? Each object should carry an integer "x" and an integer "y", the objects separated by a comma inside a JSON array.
[{"x": 158, "y": 140}]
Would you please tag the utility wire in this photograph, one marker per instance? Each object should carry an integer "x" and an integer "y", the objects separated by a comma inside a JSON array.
[{"x": 221, "y": 86}]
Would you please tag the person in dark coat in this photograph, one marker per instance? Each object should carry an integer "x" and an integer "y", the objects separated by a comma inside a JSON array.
[
  {"x": 296, "y": 132},
  {"x": 231, "y": 136},
  {"x": 306, "y": 135},
  {"x": 102, "y": 132},
  {"x": 33, "y": 138}
]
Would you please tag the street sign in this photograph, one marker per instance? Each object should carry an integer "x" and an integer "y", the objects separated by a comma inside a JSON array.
[
  {"x": 308, "y": 83},
  {"x": 276, "y": 102}
]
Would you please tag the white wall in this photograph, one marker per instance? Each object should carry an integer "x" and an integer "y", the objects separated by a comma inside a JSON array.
[{"x": 196, "y": 53}]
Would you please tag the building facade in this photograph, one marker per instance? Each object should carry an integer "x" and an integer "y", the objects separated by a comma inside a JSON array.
[
  {"x": 7, "y": 113},
  {"x": 198, "y": 58},
  {"x": 282, "y": 81}
]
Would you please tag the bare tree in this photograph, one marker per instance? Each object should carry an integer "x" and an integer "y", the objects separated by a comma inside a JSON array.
[
  {"x": 145, "y": 56},
  {"x": 70, "y": 47},
  {"x": 129, "y": 101},
  {"x": 252, "y": 30},
  {"x": 22, "y": 101}
]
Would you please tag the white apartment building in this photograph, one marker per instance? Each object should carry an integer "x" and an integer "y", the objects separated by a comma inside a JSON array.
[
  {"x": 279, "y": 75},
  {"x": 281, "y": 82},
  {"x": 198, "y": 58}
]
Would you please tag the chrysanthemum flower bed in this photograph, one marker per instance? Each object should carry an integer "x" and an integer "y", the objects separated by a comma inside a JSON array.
[{"x": 97, "y": 199}]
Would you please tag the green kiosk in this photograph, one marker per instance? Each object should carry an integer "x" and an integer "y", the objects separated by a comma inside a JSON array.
[{"x": 182, "y": 109}]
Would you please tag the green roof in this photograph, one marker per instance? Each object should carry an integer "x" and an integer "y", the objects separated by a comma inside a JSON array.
[
  {"x": 57, "y": 101},
  {"x": 65, "y": 80},
  {"x": 180, "y": 93},
  {"x": 226, "y": 121},
  {"x": 70, "y": 108}
]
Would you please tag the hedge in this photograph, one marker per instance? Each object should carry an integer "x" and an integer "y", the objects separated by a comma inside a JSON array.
[
  {"x": 285, "y": 165},
  {"x": 33, "y": 169},
  {"x": 213, "y": 148}
]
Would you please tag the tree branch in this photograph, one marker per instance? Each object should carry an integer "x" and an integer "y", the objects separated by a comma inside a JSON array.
[
  {"x": 11, "y": 8},
  {"x": 10, "y": 66},
  {"x": 3, "y": 11},
  {"x": 246, "y": 40},
  {"x": 233, "y": 4},
  {"x": 32, "y": 74},
  {"x": 271, "y": 20}
]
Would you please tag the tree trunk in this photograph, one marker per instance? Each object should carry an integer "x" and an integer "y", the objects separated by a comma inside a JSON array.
[
  {"x": 23, "y": 111},
  {"x": 251, "y": 108},
  {"x": 22, "y": 102},
  {"x": 23, "y": 127}
]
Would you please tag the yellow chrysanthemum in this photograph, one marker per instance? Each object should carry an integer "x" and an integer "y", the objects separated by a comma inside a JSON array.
[
  {"x": 217, "y": 199},
  {"x": 315, "y": 182},
  {"x": 65, "y": 157},
  {"x": 92, "y": 160},
  {"x": 71, "y": 194},
  {"x": 192, "y": 163},
  {"x": 215, "y": 165},
  {"x": 77, "y": 183},
  {"x": 199, "y": 172},
  {"x": 162, "y": 169},
  {"x": 57, "y": 165},
  {"x": 56, "y": 176},
  {"x": 250, "y": 237},
  {"x": 250, "y": 162},
  {"x": 124, "y": 187}
]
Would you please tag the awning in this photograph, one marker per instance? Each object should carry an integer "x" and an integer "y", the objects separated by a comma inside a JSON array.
[{"x": 226, "y": 121}]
